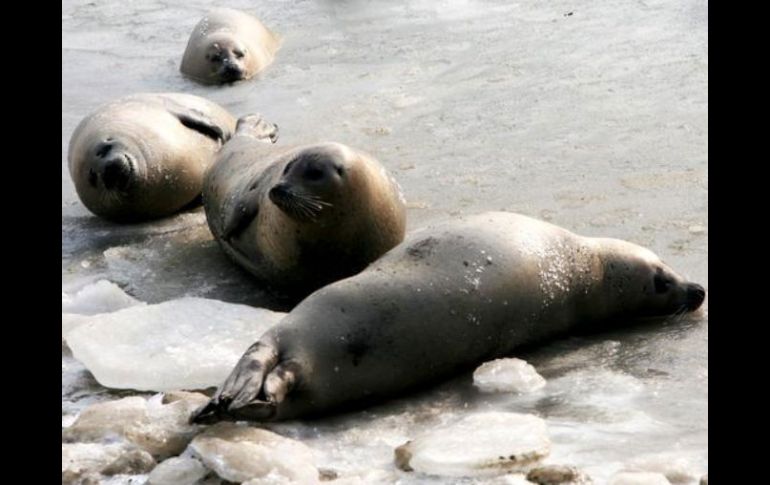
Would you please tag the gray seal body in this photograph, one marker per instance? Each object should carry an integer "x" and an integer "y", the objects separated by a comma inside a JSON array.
[
  {"x": 228, "y": 45},
  {"x": 143, "y": 156},
  {"x": 299, "y": 218},
  {"x": 448, "y": 298}
]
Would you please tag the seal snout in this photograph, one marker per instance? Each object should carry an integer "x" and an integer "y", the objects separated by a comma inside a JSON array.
[
  {"x": 112, "y": 167},
  {"x": 116, "y": 173},
  {"x": 231, "y": 72},
  {"x": 695, "y": 296}
]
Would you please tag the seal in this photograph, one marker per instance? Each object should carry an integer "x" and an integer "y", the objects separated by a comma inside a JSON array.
[
  {"x": 226, "y": 46},
  {"x": 143, "y": 156},
  {"x": 300, "y": 218},
  {"x": 448, "y": 298}
]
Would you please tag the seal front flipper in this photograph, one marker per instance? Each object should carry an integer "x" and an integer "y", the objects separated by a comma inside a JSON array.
[
  {"x": 198, "y": 121},
  {"x": 243, "y": 210}
]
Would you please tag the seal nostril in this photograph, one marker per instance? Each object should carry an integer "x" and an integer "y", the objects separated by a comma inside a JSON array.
[
  {"x": 695, "y": 296},
  {"x": 103, "y": 149},
  {"x": 279, "y": 191},
  {"x": 115, "y": 174}
]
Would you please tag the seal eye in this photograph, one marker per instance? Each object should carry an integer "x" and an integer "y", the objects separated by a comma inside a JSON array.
[
  {"x": 216, "y": 58},
  {"x": 662, "y": 284},
  {"x": 288, "y": 167},
  {"x": 314, "y": 173},
  {"x": 238, "y": 54},
  {"x": 340, "y": 171}
]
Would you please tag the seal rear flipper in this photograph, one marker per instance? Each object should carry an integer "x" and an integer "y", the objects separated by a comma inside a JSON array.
[
  {"x": 276, "y": 385},
  {"x": 255, "y": 126},
  {"x": 209, "y": 413},
  {"x": 280, "y": 381},
  {"x": 253, "y": 411},
  {"x": 242, "y": 387}
]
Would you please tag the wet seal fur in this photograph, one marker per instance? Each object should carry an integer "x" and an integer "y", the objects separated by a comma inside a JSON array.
[
  {"x": 226, "y": 46},
  {"x": 300, "y": 218},
  {"x": 143, "y": 157},
  {"x": 448, "y": 298}
]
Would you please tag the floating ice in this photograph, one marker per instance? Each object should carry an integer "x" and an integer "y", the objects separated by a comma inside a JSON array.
[
  {"x": 86, "y": 462},
  {"x": 638, "y": 478},
  {"x": 366, "y": 477},
  {"x": 480, "y": 444},
  {"x": 177, "y": 471},
  {"x": 558, "y": 475},
  {"x": 190, "y": 343},
  {"x": 100, "y": 297},
  {"x": 160, "y": 429},
  {"x": 242, "y": 453},
  {"x": 194, "y": 398},
  {"x": 584, "y": 120},
  {"x": 507, "y": 375},
  {"x": 510, "y": 479},
  {"x": 676, "y": 468},
  {"x": 70, "y": 321}
]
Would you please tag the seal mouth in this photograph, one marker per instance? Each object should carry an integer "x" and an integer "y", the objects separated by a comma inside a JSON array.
[{"x": 300, "y": 206}]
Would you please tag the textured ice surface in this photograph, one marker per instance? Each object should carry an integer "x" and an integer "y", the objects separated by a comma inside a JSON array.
[
  {"x": 507, "y": 375},
  {"x": 596, "y": 121},
  {"x": 638, "y": 478},
  {"x": 81, "y": 462},
  {"x": 241, "y": 453},
  {"x": 100, "y": 297},
  {"x": 177, "y": 471},
  {"x": 677, "y": 468},
  {"x": 480, "y": 444},
  {"x": 160, "y": 429},
  {"x": 190, "y": 343},
  {"x": 558, "y": 475}
]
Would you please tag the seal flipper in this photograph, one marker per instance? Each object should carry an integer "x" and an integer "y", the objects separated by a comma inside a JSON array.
[
  {"x": 280, "y": 381},
  {"x": 244, "y": 209},
  {"x": 197, "y": 121},
  {"x": 255, "y": 126},
  {"x": 253, "y": 411},
  {"x": 242, "y": 388}
]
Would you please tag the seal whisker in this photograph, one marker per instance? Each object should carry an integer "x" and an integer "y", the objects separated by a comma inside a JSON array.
[
  {"x": 310, "y": 198},
  {"x": 299, "y": 207}
]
